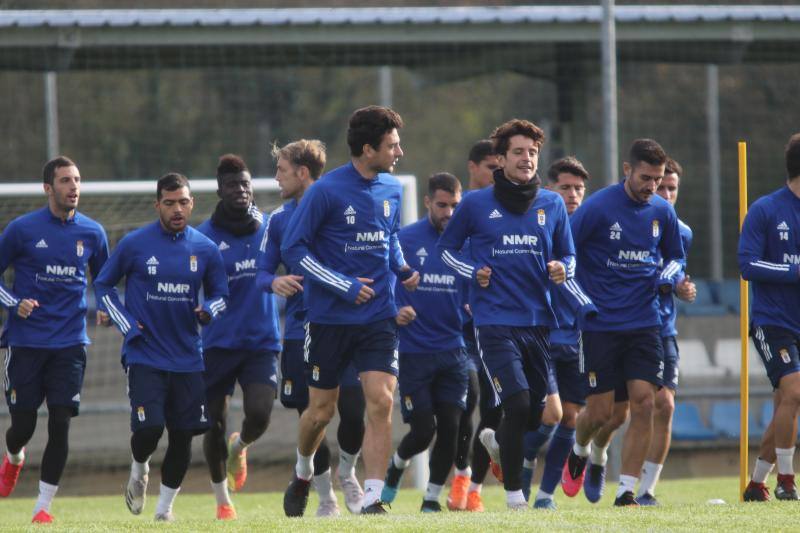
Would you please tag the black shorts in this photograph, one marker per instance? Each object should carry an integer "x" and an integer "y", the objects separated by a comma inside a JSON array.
[
  {"x": 35, "y": 374},
  {"x": 613, "y": 358}
]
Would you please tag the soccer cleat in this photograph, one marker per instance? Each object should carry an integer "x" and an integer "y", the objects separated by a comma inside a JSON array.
[
  {"x": 545, "y": 503},
  {"x": 42, "y": 517},
  {"x": 236, "y": 466},
  {"x": 295, "y": 499},
  {"x": 430, "y": 507},
  {"x": 353, "y": 494},
  {"x": 457, "y": 499},
  {"x": 165, "y": 517},
  {"x": 756, "y": 492},
  {"x": 486, "y": 436},
  {"x": 9, "y": 474},
  {"x": 573, "y": 474},
  {"x": 786, "y": 489},
  {"x": 475, "y": 502},
  {"x": 647, "y": 500},
  {"x": 376, "y": 508},
  {"x": 391, "y": 483},
  {"x": 328, "y": 508},
  {"x": 626, "y": 499},
  {"x": 226, "y": 512},
  {"x": 594, "y": 482},
  {"x": 518, "y": 506},
  {"x": 135, "y": 494},
  {"x": 527, "y": 479}
]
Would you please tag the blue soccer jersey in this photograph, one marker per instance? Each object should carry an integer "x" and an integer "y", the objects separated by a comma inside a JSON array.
[
  {"x": 437, "y": 300},
  {"x": 250, "y": 321},
  {"x": 346, "y": 228},
  {"x": 517, "y": 248},
  {"x": 619, "y": 243},
  {"x": 164, "y": 273},
  {"x": 269, "y": 259},
  {"x": 769, "y": 257},
  {"x": 666, "y": 300},
  {"x": 51, "y": 258}
]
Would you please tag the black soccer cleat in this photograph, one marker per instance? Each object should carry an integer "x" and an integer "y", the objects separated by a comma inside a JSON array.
[
  {"x": 786, "y": 489},
  {"x": 375, "y": 508},
  {"x": 756, "y": 492},
  {"x": 430, "y": 507},
  {"x": 626, "y": 499},
  {"x": 295, "y": 499}
]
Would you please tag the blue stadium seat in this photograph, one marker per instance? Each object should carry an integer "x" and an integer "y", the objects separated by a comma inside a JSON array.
[
  {"x": 725, "y": 420},
  {"x": 687, "y": 424},
  {"x": 705, "y": 304},
  {"x": 729, "y": 295}
]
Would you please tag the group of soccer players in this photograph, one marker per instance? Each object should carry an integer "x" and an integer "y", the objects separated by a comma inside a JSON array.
[{"x": 553, "y": 315}]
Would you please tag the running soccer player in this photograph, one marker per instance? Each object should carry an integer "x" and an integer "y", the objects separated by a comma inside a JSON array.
[
  {"x": 45, "y": 338},
  {"x": 299, "y": 165},
  {"x": 769, "y": 255},
  {"x": 343, "y": 237},
  {"x": 519, "y": 242},
  {"x": 665, "y": 398},
  {"x": 165, "y": 264},
  {"x": 620, "y": 233},
  {"x": 243, "y": 344},
  {"x": 433, "y": 365},
  {"x": 566, "y": 395},
  {"x": 465, "y": 489}
]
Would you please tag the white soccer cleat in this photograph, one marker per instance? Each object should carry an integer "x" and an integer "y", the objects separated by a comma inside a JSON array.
[
  {"x": 489, "y": 442},
  {"x": 165, "y": 517},
  {"x": 328, "y": 508},
  {"x": 135, "y": 493},
  {"x": 519, "y": 506},
  {"x": 353, "y": 494}
]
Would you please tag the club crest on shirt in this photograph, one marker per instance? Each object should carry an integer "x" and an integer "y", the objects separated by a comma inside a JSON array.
[
  {"x": 193, "y": 263},
  {"x": 140, "y": 413},
  {"x": 287, "y": 387},
  {"x": 540, "y": 217},
  {"x": 592, "y": 379},
  {"x": 655, "y": 228},
  {"x": 79, "y": 248},
  {"x": 387, "y": 210},
  {"x": 409, "y": 403},
  {"x": 785, "y": 355}
]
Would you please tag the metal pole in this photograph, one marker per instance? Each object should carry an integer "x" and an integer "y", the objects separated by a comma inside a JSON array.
[
  {"x": 385, "y": 86},
  {"x": 609, "y": 74},
  {"x": 714, "y": 171},
  {"x": 51, "y": 113}
]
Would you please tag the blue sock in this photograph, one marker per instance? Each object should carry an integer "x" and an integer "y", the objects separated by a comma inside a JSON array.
[
  {"x": 536, "y": 439},
  {"x": 563, "y": 439}
]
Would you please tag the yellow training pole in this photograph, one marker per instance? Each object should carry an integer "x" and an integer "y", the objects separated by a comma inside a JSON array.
[{"x": 744, "y": 323}]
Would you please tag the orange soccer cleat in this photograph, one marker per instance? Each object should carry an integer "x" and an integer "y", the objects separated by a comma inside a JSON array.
[
  {"x": 9, "y": 474},
  {"x": 42, "y": 517},
  {"x": 457, "y": 499},
  {"x": 226, "y": 512},
  {"x": 237, "y": 466},
  {"x": 474, "y": 502}
]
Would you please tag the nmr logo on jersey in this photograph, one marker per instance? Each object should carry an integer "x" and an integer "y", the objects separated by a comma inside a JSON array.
[
  {"x": 174, "y": 288},
  {"x": 58, "y": 270},
  {"x": 634, "y": 255},
  {"x": 247, "y": 264},
  {"x": 370, "y": 236},
  {"x": 439, "y": 279},
  {"x": 791, "y": 258},
  {"x": 526, "y": 240}
]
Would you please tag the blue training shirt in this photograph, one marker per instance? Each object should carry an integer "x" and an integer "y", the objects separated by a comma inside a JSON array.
[
  {"x": 666, "y": 300},
  {"x": 769, "y": 257},
  {"x": 250, "y": 321},
  {"x": 517, "y": 248},
  {"x": 619, "y": 243},
  {"x": 346, "y": 228},
  {"x": 269, "y": 258},
  {"x": 50, "y": 258},
  {"x": 437, "y": 300},
  {"x": 164, "y": 273}
]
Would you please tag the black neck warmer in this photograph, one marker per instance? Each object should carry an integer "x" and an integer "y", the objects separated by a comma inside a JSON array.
[
  {"x": 515, "y": 198},
  {"x": 238, "y": 223}
]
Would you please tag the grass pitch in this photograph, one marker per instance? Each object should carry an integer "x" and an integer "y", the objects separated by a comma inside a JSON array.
[{"x": 684, "y": 507}]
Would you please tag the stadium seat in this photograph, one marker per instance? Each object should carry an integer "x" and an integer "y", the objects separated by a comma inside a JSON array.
[
  {"x": 727, "y": 355},
  {"x": 695, "y": 362},
  {"x": 705, "y": 304},
  {"x": 724, "y": 420},
  {"x": 687, "y": 424},
  {"x": 729, "y": 295}
]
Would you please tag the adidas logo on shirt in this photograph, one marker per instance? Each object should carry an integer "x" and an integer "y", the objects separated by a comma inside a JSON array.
[
  {"x": 223, "y": 246},
  {"x": 349, "y": 210},
  {"x": 495, "y": 214},
  {"x": 41, "y": 244},
  {"x": 615, "y": 227},
  {"x": 422, "y": 254},
  {"x": 152, "y": 261},
  {"x": 783, "y": 226}
]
